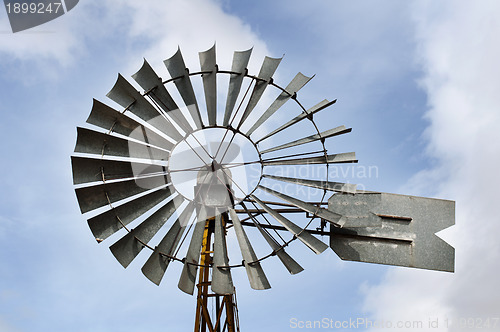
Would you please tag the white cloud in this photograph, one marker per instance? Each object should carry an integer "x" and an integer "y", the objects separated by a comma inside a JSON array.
[{"x": 459, "y": 52}]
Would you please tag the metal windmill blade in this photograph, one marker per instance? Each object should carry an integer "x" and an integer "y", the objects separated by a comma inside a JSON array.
[{"x": 154, "y": 172}]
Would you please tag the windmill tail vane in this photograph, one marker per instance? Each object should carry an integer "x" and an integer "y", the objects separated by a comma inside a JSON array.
[{"x": 188, "y": 172}]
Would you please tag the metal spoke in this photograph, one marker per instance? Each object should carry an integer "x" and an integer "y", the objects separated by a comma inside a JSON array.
[
  {"x": 229, "y": 125},
  {"x": 316, "y": 137},
  {"x": 304, "y": 115}
]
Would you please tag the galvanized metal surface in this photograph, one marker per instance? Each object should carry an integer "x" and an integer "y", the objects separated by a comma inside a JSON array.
[
  {"x": 267, "y": 71},
  {"x": 310, "y": 241},
  {"x": 111, "y": 221},
  {"x": 94, "y": 197},
  {"x": 208, "y": 63},
  {"x": 304, "y": 115},
  {"x": 291, "y": 265},
  {"x": 94, "y": 142},
  {"x": 147, "y": 78},
  {"x": 404, "y": 236},
  {"x": 334, "y": 218},
  {"x": 129, "y": 246},
  {"x": 293, "y": 87},
  {"x": 113, "y": 121},
  {"x": 157, "y": 264},
  {"x": 377, "y": 227},
  {"x": 177, "y": 69},
  {"x": 255, "y": 273},
  {"x": 188, "y": 275},
  {"x": 240, "y": 63},
  {"x": 349, "y": 157},
  {"x": 153, "y": 85},
  {"x": 87, "y": 170},
  {"x": 332, "y": 186},
  {"x": 127, "y": 96},
  {"x": 222, "y": 283},
  {"x": 316, "y": 137}
]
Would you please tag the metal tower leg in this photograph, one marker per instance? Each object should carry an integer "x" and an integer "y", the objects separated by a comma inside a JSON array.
[{"x": 225, "y": 317}]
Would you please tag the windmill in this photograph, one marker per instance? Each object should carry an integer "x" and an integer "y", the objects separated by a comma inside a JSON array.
[{"x": 193, "y": 180}]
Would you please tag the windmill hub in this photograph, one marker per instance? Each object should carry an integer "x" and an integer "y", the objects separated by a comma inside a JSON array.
[{"x": 211, "y": 160}]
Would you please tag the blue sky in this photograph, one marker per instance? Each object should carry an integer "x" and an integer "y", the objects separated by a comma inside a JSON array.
[{"x": 416, "y": 80}]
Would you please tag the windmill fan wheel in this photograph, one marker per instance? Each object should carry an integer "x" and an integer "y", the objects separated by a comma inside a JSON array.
[{"x": 161, "y": 170}]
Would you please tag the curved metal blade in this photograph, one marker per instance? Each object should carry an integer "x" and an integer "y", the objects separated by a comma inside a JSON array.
[
  {"x": 295, "y": 85},
  {"x": 109, "y": 222},
  {"x": 87, "y": 170},
  {"x": 157, "y": 264},
  {"x": 349, "y": 157},
  {"x": 94, "y": 197},
  {"x": 110, "y": 119},
  {"x": 209, "y": 64},
  {"x": 128, "y": 247},
  {"x": 309, "y": 113},
  {"x": 316, "y": 137},
  {"x": 240, "y": 63},
  {"x": 291, "y": 265},
  {"x": 332, "y": 186},
  {"x": 222, "y": 283},
  {"x": 267, "y": 70},
  {"x": 177, "y": 69},
  {"x": 94, "y": 142},
  {"x": 127, "y": 96},
  {"x": 332, "y": 217},
  {"x": 152, "y": 83},
  {"x": 310, "y": 241},
  {"x": 188, "y": 275},
  {"x": 255, "y": 273}
]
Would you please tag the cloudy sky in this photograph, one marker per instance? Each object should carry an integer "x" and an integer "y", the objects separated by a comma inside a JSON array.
[{"x": 417, "y": 80}]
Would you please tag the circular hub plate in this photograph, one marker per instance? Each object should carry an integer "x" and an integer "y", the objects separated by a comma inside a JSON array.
[{"x": 214, "y": 166}]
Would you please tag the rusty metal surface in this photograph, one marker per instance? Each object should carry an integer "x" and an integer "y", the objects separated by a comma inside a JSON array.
[
  {"x": 326, "y": 185},
  {"x": 208, "y": 63},
  {"x": 129, "y": 246},
  {"x": 111, "y": 221},
  {"x": 405, "y": 236},
  {"x": 316, "y": 137},
  {"x": 293, "y": 87},
  {"x": 188, "y": 275},
  {"x": 310, "y": 241},
  {"x": 267, "y": 71},
  {"x": 157, "y": 264},
  {"x": 222, "y": 282},
  {"x": 240, "y": 63},
  {"x": 255, "y": 273},
  {"x": 128, "y": 97},
  {"x": 348, "y": 157},
  {"x": 153, "y": 86},
  {"x": 177, "y": 69}
]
